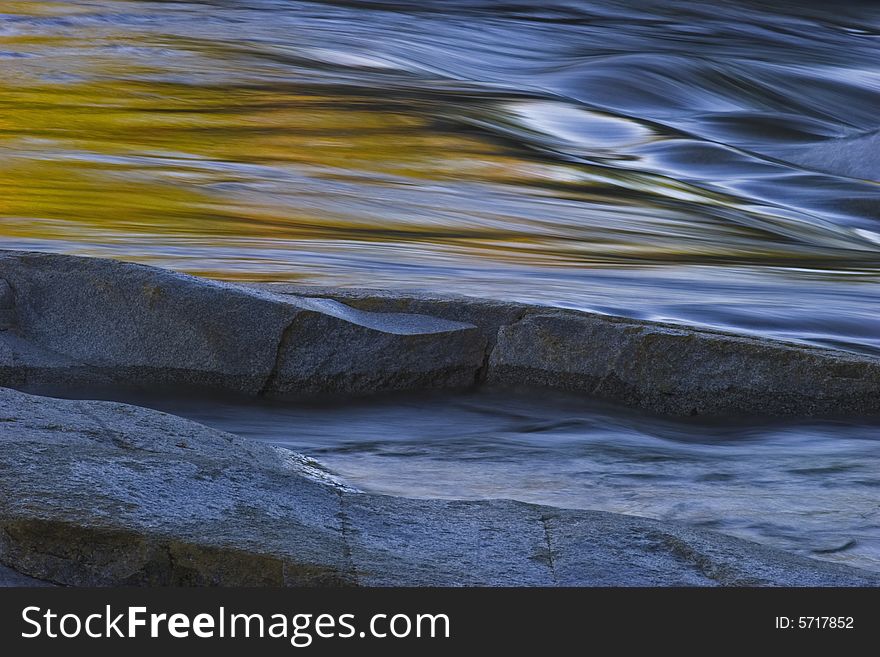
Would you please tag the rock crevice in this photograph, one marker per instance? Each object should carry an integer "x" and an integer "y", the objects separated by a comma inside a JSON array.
[
  {"x": 271, "y": 381},
  {"x": 550, "y": 557}
]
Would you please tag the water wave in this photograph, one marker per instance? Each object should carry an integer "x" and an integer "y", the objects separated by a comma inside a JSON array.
[{"x": 673, "y": 160}]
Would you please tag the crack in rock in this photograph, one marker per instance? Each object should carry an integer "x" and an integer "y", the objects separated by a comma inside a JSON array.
[
  {"x": 345, "y": 528},
  {"x": 551, "y": 560}
]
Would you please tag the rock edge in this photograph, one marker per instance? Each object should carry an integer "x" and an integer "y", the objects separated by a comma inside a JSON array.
[{"x": 67, "y": 320}]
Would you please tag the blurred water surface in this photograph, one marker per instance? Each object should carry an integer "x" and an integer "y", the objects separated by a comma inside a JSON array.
[{"x": 705, "y": 162}]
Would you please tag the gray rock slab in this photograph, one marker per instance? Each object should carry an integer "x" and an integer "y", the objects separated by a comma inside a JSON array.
[
  {"x": 7, "y": 298},
  {"x": 7, "y": 305},
  {"x": 681, "y": 371},
  {"x": 109, "y": 494},
  {"x": 9, "y": 577},
  {"x": 23, "y": 363},
  {"x": 665, "y": 368},
  {"x": 102, "y": 320},
  {"x": 608, "y": 549},
  {"x": 142, "y": 325},
  {"x": 361, "y": 351},
  {"x": 354, "y": 358},
  {"x": 99, "y": 493},
  {"x": 398, "y": 541}
]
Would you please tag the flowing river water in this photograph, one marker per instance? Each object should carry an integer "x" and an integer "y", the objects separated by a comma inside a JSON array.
[{"x": 709, "y": 163}]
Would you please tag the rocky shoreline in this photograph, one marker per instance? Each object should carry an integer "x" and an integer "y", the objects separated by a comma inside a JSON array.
[
  {"x": 106, "y": 494},
  {"x": 98, "y": 493}
]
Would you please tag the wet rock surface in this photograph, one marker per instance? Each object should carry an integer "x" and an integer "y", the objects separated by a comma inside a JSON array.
[
  {"x": 99, "y": 493},
  {"x": 70, "y": 320},
  {"x": 136, "y": 324},
  {"x": 10, "y": 577},
  {"x": 679, "y": 371},
  {"x": 7, "y": 306},
  {"x": 665, "y": 368}
]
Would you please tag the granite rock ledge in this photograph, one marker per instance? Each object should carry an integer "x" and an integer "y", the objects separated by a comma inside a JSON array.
[
  {"x": 68, "y": 320},
  {"x": 106, "y": 494},
  {"x": 72, "y": 320}
]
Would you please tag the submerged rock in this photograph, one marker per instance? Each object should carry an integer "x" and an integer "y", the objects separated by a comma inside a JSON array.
[
  {"x": 99, "y": 493},
  {"x": 68, "y": 320}
]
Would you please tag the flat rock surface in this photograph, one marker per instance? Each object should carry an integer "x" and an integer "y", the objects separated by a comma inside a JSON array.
[{"x": 99, "y": 493}]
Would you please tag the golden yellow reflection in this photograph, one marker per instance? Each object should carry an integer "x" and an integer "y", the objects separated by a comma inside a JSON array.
[{"x": 96, "y": 142}]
